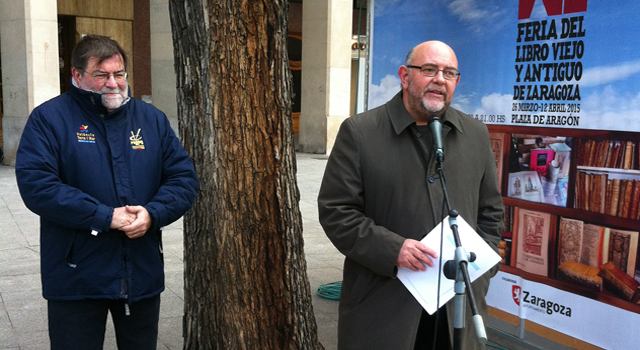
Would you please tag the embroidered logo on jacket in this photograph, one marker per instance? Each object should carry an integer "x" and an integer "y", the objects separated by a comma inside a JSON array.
[
  {"x": 85, "y": 136},
  {"x": 136, "y": 141}
]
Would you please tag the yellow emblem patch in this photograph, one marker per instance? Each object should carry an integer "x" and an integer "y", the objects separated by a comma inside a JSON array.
[{"x": 136, "y": 141}]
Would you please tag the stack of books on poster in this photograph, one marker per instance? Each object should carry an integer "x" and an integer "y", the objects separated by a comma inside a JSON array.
[
  {"x": 598, "y": 193},
  {"x": 608, "y": 154},
  {"x": 598, "y": 257}
]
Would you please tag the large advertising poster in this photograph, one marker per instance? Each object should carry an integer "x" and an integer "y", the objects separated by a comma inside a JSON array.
[
  {"x": 586, "y": 319},
  {"x": 532, "y": 63},
  {"x": 547, "y": 63}
]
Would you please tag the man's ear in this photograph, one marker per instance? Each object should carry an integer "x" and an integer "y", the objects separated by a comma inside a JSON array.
[
  {"x": 76, "y": 74},
  {"x": 403, "y": 73}
]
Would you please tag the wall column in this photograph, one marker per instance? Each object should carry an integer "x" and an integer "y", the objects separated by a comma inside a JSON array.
[
  {"x": 326, "y": 77},
  {"x": 163, "y": 75},
  {"x": 30, "y": 64}
]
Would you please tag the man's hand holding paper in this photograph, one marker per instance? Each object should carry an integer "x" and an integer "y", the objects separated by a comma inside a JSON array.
[
  {"x": 423, "y": 283},
  {"x": 415, "y": 255}
]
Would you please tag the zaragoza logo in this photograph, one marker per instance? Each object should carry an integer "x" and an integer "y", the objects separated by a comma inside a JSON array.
[
  {"x": 515, "y": 293},
  {"x": 538, "y": 303}
]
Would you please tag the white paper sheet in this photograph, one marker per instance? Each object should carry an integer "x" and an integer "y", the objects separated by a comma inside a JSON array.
[{"x": 424, "y": 284}]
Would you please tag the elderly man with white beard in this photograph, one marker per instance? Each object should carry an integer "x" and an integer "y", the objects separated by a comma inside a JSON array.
[{"x": 105, "y": 172}]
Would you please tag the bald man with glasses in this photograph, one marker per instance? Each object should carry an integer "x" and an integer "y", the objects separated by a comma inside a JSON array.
[{"x": 381, "y": 194}]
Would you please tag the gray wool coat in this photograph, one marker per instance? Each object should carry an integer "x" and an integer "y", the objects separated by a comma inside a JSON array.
[{"x": 376, "y": 193}]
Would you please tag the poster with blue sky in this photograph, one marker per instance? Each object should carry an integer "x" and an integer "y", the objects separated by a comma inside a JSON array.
[{"x": 548, "y": 63}]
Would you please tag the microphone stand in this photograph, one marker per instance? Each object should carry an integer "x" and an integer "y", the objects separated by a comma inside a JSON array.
[{"x": 457, "y": 270}]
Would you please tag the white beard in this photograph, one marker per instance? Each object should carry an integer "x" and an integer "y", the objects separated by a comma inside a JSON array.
[
  {"x": 432, "y": 106},
  {"x": 110, "y": 102},
  {"x": 114, "y": 101},
  {"x": 429, "y": 106}
]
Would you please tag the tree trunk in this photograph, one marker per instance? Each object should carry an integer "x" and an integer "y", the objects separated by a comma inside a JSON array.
[{"x": 246, "y": 285}]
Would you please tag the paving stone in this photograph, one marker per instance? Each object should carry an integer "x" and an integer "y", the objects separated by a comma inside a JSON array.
[{"x": 23, "y": 321}]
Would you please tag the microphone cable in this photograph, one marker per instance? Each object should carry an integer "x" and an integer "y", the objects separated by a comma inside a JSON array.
[{"x": 435, "y": 328}]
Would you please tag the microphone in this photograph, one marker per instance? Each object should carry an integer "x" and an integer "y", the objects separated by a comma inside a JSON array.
[{"x": 435, "y": 125}]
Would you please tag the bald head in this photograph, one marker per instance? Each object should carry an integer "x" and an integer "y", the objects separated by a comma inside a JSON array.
[
  {"x": 433, "y": 46},
  {"x": 424, "y": 93}
]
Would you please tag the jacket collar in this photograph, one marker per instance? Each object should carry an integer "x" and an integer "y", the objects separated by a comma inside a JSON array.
[
  {"x": 401, "y": 119},
  {"x": 91, "y": 101}
]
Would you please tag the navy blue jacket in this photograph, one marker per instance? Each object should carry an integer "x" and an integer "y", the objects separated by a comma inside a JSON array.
[{"x": 76, "y": 163}]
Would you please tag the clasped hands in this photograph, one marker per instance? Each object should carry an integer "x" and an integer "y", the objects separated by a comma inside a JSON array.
[
  {"x": 134, "y": 221},
  {"x": 415, "y": 256}
]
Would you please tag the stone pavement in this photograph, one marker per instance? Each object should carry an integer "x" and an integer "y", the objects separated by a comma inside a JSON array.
[
  {"x": 23, "y": 311},
  {"x": 23, "y": 319}
]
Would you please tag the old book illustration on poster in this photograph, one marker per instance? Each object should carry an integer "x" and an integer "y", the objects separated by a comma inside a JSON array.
[
  {"x": 526, "y": 185},
  {"x": 563, "y": 157},
  {"x": 581, "y": 252},
  {"x": 533, "y": 241},
  {"x": 623, "y": 249},
  {"x": 570, "y": 240},
  {"x": 592, "y": 241},
  {"x": 515, "y": 186},
  {"x": 497, "y": 140}
]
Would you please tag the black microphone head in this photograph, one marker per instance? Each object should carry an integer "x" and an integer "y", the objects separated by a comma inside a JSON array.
[{"x": 436, "y": 130}]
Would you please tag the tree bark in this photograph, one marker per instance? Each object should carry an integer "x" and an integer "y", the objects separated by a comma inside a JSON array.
[{"x": 246, "y": 285}]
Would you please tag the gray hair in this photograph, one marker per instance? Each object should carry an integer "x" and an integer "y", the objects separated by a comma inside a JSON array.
[
  {"x": 98, "y": 46},
  {"x": 409, "y": 58}
]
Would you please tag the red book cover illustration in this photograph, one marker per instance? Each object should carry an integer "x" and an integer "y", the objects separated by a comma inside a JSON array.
[{"x": 540, "y": 159}]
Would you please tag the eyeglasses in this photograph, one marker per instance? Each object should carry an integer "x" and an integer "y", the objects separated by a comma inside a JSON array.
[
  {"x": 102, "y": 77},
  {"x": 430, "y": 70}
]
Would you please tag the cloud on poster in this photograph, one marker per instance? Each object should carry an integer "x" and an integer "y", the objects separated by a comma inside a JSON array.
[
  {"x": 610, "y": 105},
  {"x": 476, "y": 15},
  {"x": 609, "y": 74},
  {"x": 380, "y": 94},
  {"x": 489, "y": 104},
  {"x": 613, "y": 109}
]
